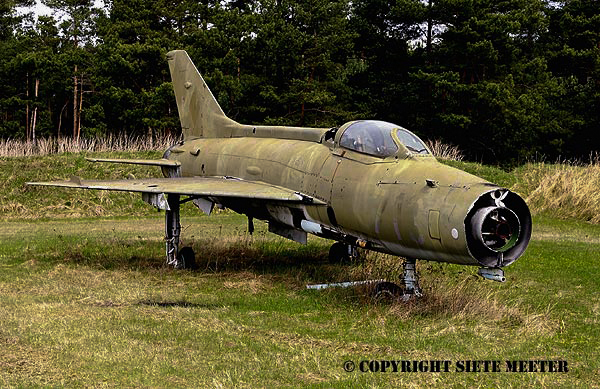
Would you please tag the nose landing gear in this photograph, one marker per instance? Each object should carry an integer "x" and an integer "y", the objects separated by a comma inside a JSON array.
[{"x": 389, "y": 291}]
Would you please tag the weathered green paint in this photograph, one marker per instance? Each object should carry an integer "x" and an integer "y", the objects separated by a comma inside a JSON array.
[
  {"x": 221, "y": 187},
  {"x": 385, "y": 201},
  {"x": 303, "y": 180}
]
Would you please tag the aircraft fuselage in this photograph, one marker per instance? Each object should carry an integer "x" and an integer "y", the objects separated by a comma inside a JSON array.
[{"x": 412, "y": 206}]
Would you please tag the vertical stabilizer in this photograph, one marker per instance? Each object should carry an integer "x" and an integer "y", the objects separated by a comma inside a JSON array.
[{"x": 199, "y": 112}]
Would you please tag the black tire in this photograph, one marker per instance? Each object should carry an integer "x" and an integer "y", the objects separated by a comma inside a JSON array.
[
  {"x": 338, "y": 253},
  {"x": 187, "y": 258},
  {"x": 387, "y": 292}
]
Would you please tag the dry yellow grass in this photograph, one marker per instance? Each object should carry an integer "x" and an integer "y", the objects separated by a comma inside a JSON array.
[
  {"x": 444, "y": 150},
  {"x": 52, "y": 145},
  {"x": 45, "y": 146},
  {"x": 459, "y": 300},
  {"x": 564, "y": 190}
]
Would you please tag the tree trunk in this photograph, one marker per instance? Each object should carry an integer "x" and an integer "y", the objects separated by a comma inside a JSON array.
[
  {"x": 34, "y": 120},
  {"x": 80, "y": 106},
  {"x": 75, "y": 105},
  {"x": 27, "y": 110},
  {"x": 60, "y": 118},
  {"x": 429, "y": 28}
]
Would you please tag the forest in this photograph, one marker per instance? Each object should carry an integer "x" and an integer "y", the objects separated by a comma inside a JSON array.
[{"x": 507, "y": 81}]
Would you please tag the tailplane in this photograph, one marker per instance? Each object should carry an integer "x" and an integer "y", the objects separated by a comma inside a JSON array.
[{"x": 199, "y": 112}]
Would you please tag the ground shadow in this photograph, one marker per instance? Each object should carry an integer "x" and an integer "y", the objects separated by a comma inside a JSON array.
[{"x": 179, "y": 304}]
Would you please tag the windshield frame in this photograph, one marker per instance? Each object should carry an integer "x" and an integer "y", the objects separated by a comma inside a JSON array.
[{"x": 422, "y": 151}]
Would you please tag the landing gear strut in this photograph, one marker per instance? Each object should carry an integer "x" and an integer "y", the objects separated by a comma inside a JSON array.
[
  {"x": 179, "y": 259},
  {"x": 172, "y": 229},
  {"x": 411, "y": 278}
]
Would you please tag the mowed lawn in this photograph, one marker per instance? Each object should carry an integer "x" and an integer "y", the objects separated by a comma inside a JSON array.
[{"x": 89, "y": 302}]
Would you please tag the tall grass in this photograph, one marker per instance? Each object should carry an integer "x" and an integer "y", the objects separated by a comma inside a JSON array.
[
  {"x": 444, "y": 150},
  {"x": 53, "y": 145},
  {"x": 463, "y": 297},
  {"x": 567, "y": 190}
]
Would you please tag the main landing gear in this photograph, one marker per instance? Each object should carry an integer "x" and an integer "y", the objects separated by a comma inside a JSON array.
[
  {"x": 179, "y": 259},
  {"x": 343, "y": 253}
]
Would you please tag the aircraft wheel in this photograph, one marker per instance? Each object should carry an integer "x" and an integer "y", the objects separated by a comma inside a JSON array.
[
  {"x": 338, "y": 253},
  {"x": 187, "y": 258},
  {"x": 387, "y": 292}
]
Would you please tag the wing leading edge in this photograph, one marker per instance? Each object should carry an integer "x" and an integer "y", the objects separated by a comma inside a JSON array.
[{"x": 218, "y": 187}]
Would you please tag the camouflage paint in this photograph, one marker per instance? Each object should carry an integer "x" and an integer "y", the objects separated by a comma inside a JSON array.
[
  {"x": 406, "y": 204},
  {"x": 302, "y": 181}
]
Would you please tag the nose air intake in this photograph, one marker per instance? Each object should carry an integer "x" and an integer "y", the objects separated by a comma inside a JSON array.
[{"x": 498, "y": 228}]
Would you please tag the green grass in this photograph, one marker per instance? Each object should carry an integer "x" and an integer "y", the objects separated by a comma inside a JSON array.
[
  {"x": 88, "y": 302},
  {"x": 26, "y": 202}
]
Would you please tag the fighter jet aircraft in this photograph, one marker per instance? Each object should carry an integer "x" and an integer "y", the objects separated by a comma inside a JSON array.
[{"x": 366, "y": 184}]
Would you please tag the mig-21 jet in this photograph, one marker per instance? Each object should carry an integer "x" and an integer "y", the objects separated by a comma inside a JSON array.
[{"x": 366, "y": 184}]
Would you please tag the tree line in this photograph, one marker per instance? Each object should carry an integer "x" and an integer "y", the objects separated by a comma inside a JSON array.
[{"x": 505, "y": 80}]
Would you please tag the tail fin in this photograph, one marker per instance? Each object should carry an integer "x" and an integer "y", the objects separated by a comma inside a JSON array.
[{"x": 199, "y": 112}]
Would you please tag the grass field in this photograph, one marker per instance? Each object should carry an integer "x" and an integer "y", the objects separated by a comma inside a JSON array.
[
  {"x": 88, "y": 302},
  {"x": 99, "y": 308}
]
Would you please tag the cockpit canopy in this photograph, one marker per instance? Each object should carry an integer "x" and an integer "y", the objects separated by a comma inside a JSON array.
[{"x": 376, "y": 138}]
